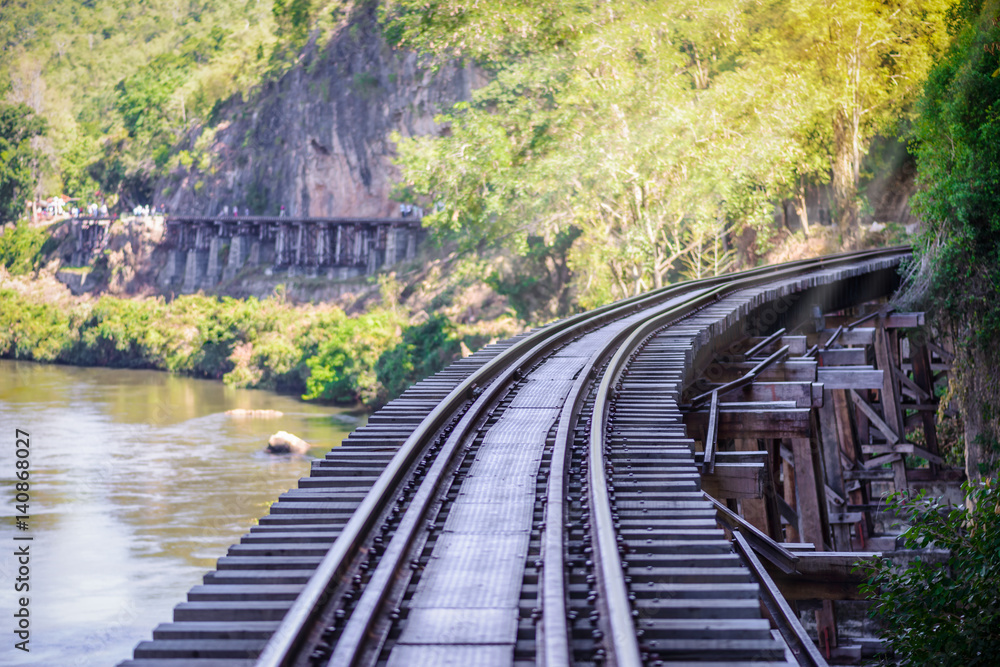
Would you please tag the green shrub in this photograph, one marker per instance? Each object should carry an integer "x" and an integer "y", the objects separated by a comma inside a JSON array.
[
  {"x": 343, "y": 370},
  {"x": 944, "y": 613},
  {"x": 29, "y": 330},
  {"x": 22, "y": 248},
  {"x": 114, "y": 333},
  {"x": 424, "y": 350},
  {"x": 315, "y": 351}
]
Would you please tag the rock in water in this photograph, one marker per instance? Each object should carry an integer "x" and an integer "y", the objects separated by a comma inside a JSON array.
[
  {"x": 255, "y": 414},
  {"x": 283, "y": 442}
]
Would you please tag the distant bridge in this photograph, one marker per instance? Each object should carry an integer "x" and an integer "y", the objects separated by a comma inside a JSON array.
[{"x": 206, "y": 250}]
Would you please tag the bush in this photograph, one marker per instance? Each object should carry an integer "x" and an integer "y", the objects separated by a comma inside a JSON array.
[
  {"x": 29, "y": 330},
  {"x": 343, "y": 369},
  {"x": 22, "y": 248},
  {"x": 424, "y": 350},
  {"x": 947, "y": 613}
]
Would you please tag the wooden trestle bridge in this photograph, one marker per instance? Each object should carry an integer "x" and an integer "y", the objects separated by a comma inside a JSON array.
[
  {"x": 204, "y": 251},
  {"x": 683, "y": 477}
]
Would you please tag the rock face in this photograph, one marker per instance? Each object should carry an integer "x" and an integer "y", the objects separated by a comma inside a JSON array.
[{"x": 316, "y": 141}]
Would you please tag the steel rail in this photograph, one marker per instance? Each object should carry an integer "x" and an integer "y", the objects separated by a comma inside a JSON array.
[
  {"x": 778, "y": 608},
  {"x": 623, "y": 644},
  {"x": 764, "y": 343},
  {"x": 553, "y": 629},
  {"x": 762, "y": 543},
  {"x": 296, "y": 624},
  {"x": 357, "y": 632}
]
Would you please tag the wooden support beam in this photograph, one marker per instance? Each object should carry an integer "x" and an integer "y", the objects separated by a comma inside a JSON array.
[
  {"x": 924, "y": 379},
  {"x": 789, "y": 514},
  {"x": 830, "y": 438},
  {"x": 889, "y": 433},
  {"x": 918, "y": 392},
  {"x": 754, "y": 510},
  {"x": 711, "y": 437},
  {"x": 796, "y": 345},
  {"x": 890, "y": 321},
  {"x": 803, "y": 394},
  {"x": 758, "y": 347},
  {"x": 903, "y": 448},
  {"x": 863, "y": 474},
  {"x": 859, "y": 336},
  {"x": 740, "y": 423},
  {"x": 777, "y": 554},
  {"x": 735, "y": 480},
  {"x": 744, "y": 377},
  {"x": 945, "y": 355},
  {"x": 850, "y": 377},
  {"x": 848, "y": 356},
  {"x": 880, "y": 461},
  {"x": 850, "y": 452},
  {"x": 887, "y": 356},
  {"x": 772, "y": 490},
  {"x": 809, "y": 496},
  {"x": 823, "y": 576},
  {"x": 788, "y": 371}
]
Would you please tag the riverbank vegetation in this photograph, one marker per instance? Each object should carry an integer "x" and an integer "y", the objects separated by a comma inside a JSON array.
[{"x": 316, "y": 351}]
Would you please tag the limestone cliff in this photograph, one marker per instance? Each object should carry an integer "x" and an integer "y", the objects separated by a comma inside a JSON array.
[{"x": 316, "y": 141}]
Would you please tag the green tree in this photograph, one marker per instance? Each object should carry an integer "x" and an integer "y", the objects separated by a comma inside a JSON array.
[
  {"x": 943, "y": 613},
  {"x": 867, "y": 61},
  {"x": 19, "y": 161},
  {"x": 22, "y": 247},
  {"x": 957, "y": 144},
  {"x": 292, "y": 18},
  {"x": 661, "y": 130}
]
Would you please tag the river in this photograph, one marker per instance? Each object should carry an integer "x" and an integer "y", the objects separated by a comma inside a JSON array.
[{"x": 139, "y": 482}]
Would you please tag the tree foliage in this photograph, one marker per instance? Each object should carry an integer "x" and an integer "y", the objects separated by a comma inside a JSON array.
[
  {"x": 19, "y": 159},
  {"x": 662, "y": 130},
  {"x": 23, "y": 247},
  {"x": 943, "y": 613},
  {"x": 119, "y": 82},
  {"x": 957, "y": 145}
]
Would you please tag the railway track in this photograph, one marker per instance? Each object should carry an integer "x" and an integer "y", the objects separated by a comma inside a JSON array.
[{"x": 537, "y": 503}]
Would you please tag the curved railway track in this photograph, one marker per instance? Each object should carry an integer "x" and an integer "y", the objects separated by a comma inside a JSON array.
[{"x": 537, "y": 503}]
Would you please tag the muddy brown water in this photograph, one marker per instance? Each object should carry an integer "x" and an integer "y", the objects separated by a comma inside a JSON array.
[{"x": 139, "y": 482}]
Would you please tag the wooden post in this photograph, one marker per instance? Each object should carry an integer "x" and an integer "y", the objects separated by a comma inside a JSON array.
[
  {"x": 788, "y": 472},
  {"x": 924, "y": 377},
  {"x": 813, "y": 522},
  {"x": 886, "y": 356},
  {"x": 771, "y": 491},
  {"x": 809, "y": 493},
  {"x": 830, "y": 439},
  {"x": 850, "y": 452},
  {"x": 754, "y": 510}
]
